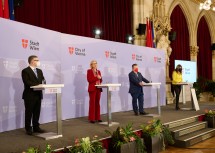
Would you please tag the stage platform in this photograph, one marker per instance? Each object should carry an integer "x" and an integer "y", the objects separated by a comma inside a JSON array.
[{"x": 16, "y": 141}]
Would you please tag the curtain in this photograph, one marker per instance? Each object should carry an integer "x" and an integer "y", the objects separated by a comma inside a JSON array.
[
  {"x": 204, "y": 59},
  {"x": 79, "y": 17},
  {"x": 180, "y": 46}
]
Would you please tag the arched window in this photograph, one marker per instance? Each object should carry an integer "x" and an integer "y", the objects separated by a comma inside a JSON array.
[{"x": 204, "y": 59}]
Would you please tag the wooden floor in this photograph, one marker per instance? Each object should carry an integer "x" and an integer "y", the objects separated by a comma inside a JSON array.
[
  {"x": 207, "y": 146},
  {"x": 80, "y": 127}
]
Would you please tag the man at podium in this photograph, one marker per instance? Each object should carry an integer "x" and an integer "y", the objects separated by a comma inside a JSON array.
[
  {"x": 32, "y": 76},
  {"x": 136, "y": 90}
]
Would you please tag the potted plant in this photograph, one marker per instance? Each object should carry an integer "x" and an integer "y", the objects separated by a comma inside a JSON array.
[
  {"x": 37, "y": 150},
  {"x": 199, "y": 86},
  {"x": 210, "y": 118},
  {"x": 85, "y": 145},
  {"x": 156, "y": 136},
  {"x": 32, "y": 150},
  {"x": 125, "y": 140},
  {"x": 211, "y": 87}
]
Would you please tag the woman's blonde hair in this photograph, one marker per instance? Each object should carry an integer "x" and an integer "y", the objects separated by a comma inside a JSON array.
[{"x": 91, "y": 63}]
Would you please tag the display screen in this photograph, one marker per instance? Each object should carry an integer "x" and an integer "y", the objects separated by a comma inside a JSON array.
[{"x": 188, "y": 70}]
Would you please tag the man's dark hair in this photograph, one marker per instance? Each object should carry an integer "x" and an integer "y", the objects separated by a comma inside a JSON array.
[
  {"x": 30, "y": 58},
  {"x": 133, "y": 65}
]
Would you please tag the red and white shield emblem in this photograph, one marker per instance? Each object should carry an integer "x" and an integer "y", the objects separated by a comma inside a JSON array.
[
  {"x": 133, "y": 56},
  {"x": 24, "y": 43},
  {"x": 71, "y": 50},
  {"x": 155, "y": 59},
  {"x": 107, "y": 53}
]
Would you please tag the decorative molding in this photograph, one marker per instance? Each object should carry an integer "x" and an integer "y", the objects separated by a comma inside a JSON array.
[
  {"x": 209, "y": 21},
  {"x": 194, "y": 50},
  {"x": 188, "y": 15},
  {"x": 160, "y": 20},
  {"x": 139, "y": 37},
  {"x": 162, "y": 27}
]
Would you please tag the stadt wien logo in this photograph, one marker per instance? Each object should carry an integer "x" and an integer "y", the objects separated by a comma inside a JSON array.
[
  {"x": 110, "y": 54},
  {"x": 137, "y": 57},
  {"x": 157, "y": 59},
  {"x": 33, "y": 45},
  {"x": 24, "y": 43}
]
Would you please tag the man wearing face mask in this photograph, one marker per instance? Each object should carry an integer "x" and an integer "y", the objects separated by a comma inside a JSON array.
[
  {"x": 32, "y": 76},
  {"x": 136, "y": 90},
  {"x": 177, "y": 78}
]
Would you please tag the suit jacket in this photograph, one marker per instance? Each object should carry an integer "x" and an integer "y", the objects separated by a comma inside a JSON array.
[
  {"x": 29, "y": 79},
  {"x": 92, "y": 80},
  {"x": 134, "y": 82}
]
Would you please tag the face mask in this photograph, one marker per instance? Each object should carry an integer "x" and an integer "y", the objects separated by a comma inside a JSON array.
[
  {"x": 38, "y": 64},
  {"x": 136, "y": 69}
]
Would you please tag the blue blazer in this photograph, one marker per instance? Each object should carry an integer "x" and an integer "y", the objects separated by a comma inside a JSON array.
[{"x": 134, "y": 82}]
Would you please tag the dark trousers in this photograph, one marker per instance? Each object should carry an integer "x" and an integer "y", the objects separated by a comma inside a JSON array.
[
  {"x": 172, "y": 90},
  {"x": 32, "y": 113},
  {"x": 94, "y": 105},
  {"x": 139, "y": 97},
  {"x": 177, "y": 90}
]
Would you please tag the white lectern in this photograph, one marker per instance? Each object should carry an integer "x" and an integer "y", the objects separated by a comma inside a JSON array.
[
  {"x": 183, "y": 90},
  {"x": 157, "y": 85},
  {"x": 52, "y": 89},
  {"x": 110, "y": 87},
  {"x": 194, "y": 102}
]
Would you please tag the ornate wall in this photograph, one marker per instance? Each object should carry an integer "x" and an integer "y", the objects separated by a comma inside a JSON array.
[
  {"x": 146, "y": 8},
  {"x": 160, "y": 10}
]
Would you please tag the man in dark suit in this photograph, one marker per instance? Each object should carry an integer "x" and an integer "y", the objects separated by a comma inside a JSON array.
[
  {"x": 32, "y": 76},
  {"x": 136, "y": 89}
]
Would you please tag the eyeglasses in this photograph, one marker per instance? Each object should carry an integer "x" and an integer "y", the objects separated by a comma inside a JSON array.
[{"x": 36, "y": 60}]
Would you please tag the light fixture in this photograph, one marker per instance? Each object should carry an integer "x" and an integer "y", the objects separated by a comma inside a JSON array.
[
  {"x": 130, "y": 39},
  {"x": 206, "y": 5},
  {"x": 97, "y": 32}
]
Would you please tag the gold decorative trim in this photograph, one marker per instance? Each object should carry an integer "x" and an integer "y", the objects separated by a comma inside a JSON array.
[{"x": 194, "y": 50}]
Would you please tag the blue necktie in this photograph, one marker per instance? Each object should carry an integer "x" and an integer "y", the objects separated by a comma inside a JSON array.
[{"x": 35, "y": 72}]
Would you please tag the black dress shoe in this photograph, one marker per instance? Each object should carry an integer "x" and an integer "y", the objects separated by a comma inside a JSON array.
[
  {"x": 92, "y": 122},
  {"x": 99, "y": 120},
  {"x": 29, "y": 132},
  {"x": 143, "y": 113},
  {"x": 38, "y": 130}
]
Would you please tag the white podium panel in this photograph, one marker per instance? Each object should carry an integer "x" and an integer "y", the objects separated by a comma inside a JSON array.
[
  {"x": 183, "y": 90},
  {"x": 110, "y": 87},
  {"x": 155, "y": 85},
  {"x": 53, "y": 89},
  {"x": 194, "y": 102}
]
